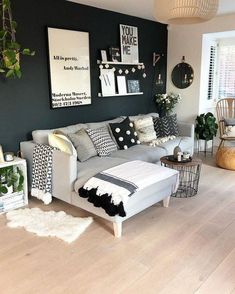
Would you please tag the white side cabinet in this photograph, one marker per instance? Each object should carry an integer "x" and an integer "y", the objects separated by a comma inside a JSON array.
[{"x": 14, "y": 199}]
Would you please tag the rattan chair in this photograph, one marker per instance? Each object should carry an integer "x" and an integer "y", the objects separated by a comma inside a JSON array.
[{"x": 225, "y": 108}]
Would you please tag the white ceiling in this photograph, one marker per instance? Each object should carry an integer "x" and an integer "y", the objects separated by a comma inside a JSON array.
[{"x": 144, "y": 8}]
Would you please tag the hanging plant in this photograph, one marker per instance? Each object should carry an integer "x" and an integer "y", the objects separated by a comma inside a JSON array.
[{"x": 10, "y": 50}]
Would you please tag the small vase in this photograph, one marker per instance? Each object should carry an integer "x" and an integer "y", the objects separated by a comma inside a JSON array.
[{"x": 177, "y": 149}]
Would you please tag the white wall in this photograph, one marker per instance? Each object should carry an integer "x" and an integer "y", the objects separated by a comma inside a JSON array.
[{"x": 186, "y": 40}]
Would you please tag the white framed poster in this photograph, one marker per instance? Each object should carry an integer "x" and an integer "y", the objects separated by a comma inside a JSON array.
[
  {"x": 69, "y": 62},
  {"x": 129, "y": 44}
]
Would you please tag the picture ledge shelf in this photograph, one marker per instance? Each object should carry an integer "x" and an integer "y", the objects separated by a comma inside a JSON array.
[
  {"x": 116, "y": 62},
  {"x": 127, "y": 94}
]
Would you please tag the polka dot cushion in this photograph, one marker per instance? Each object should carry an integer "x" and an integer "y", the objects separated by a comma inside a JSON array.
[{"x": 124, "y": 134}]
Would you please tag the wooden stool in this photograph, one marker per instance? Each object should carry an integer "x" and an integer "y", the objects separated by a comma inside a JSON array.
[{"x": 225, "y": 157}]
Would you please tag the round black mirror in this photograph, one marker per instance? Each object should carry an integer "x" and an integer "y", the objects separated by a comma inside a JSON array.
[{"x": 182, "y": 75}]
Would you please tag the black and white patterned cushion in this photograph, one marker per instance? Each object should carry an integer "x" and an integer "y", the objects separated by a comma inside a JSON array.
[
  {"x": 102, "y": 141},
  {"x": 125, "y": 134},
  {"x": 166, "y": 126}
]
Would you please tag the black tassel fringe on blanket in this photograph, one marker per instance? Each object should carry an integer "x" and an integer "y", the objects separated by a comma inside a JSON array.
[{"x": 104, "y": 201}]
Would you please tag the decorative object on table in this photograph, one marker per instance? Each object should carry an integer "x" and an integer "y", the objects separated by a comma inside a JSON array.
[
  {"x": 166, "y": 126},
  {"x": 49, "y": 223},
  {"x": 186, "y": 155},
  {"x": 11, "y": 180},
  {"x": 177, "y": 150},
  {"x": 121, "y": 83},
  {"x": 114, "y": 53},
  {"x": 9, "y": 156},
  {"x": 125, "y": 134},
  {"x": 173, "y": 159},
  {"x": 225, "y": 109},
  {"x": 189, "y": 175},
  {"x": 182, "y": 75},
  {"x": 1, "y": 154},
  {"x": 10, "y": 49},
  {"x": 107, "y": 82},
  {"x": 205, "y": 129},
  {"x": 184, "y": 11},
  {"x": 129, "y": 44},
  {"x": 133, "y": 86},
  {"x": 166, "y": 102},
  {"x": 69, "y": 62},
  {"x": 103, "y": 54}
]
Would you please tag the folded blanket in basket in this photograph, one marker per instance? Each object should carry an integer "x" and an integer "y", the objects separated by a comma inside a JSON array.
[{"x": 112, "y": 188}]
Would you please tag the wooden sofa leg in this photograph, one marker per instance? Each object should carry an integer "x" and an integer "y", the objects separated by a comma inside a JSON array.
[
  {"x": 166, "y": 201},
  {"x": 117, "y": 227}
]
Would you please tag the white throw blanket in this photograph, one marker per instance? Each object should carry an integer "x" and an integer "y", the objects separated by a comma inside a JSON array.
[
  {"x": 112, "y": 188},
  {"x": 42, "y": 173}
]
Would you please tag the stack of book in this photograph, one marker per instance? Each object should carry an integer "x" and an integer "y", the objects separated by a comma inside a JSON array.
[{"x": 11, "y": 201}]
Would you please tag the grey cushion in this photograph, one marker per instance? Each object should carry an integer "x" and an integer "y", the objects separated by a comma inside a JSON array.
[
  {"x": 41, "y": 136},
  {"x": 141, "y": 152},
  {"x": 83, "y": 144},
  {"x": 102, "y": 140},
  {"x": 229, "y": 121}
]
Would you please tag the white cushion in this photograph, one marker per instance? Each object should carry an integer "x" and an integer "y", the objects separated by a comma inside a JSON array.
[
  {"x": 229, "y": 132},
  {"x": 145, "y": 129},
  {"x": 62, "y": 142}
]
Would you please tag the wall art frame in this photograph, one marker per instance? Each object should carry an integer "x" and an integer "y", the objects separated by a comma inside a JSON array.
[{"x": 69, "y": 67}]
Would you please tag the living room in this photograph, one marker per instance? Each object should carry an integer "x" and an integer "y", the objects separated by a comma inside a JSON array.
[{"x": 162, "y": 239}]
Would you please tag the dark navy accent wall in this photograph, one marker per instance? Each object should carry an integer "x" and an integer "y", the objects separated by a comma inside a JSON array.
[{"x": 25, "y": 102}]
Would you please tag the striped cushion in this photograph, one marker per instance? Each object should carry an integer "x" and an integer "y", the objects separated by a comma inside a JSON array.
[{"x": 102, "y": 141}]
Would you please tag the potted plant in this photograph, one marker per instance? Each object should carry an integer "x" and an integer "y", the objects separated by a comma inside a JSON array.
[
  {"x": 206, "y": 126},
  {"x": 11, "y": 180},
  {"x": 166, "y": 102},
  {"x": 10, "y": 50}
]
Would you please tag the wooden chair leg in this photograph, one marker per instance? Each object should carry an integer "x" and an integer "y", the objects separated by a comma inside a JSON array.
[
  {"x": 221, "y": 142},
  {"x": 117, "y": 228},
  {"x": 166, "y": 201}
]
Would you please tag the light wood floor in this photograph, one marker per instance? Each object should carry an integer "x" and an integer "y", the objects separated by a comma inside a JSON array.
[{"x": 186, "y": 248}]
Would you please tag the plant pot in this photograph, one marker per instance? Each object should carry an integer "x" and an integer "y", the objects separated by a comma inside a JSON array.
[{"x": 9, "y": 190}]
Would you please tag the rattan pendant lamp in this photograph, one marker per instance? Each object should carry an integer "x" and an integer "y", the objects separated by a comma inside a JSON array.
[{"x": 185, "y": 11}]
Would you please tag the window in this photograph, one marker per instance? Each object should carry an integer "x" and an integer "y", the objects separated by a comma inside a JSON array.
[
  {"x": 221, "y": 83},
  {"x": 226, "y": 71}
]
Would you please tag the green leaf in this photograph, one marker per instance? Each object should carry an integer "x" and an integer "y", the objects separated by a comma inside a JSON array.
[
  {"x": 26, "y": 51},
  {"x": 18, "y": 73},
  {"x": 2, "y": 70},
  {"x": 10, "y": 73}
]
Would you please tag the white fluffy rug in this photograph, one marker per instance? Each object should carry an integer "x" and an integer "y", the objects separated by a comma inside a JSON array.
[{"x": 48, "y": 223}]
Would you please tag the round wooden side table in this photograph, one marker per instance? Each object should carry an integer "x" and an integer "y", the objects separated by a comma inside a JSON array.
[{"x": 189, "y": 174}]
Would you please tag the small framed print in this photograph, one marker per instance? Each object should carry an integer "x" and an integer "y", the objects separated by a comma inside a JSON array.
[
  {"x": 103, "y": 54},
  {"x": 114, "y": 53},
  {"x": 121, "y": 82},
  {"x": 133, "y": 86}
]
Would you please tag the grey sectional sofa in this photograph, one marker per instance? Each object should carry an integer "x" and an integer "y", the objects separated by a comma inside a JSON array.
[{"x": 69, "y": 174}]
